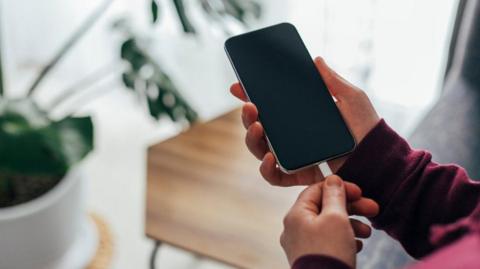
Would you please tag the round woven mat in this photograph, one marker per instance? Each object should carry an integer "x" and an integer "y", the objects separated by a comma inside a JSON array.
[{"x": 104, "y": 254}]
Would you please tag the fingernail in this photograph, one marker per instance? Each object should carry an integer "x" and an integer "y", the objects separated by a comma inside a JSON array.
[{"x": 333, "y": 181}]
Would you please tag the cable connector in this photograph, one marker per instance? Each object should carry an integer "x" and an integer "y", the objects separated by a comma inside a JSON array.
[{"x": 325, "y": 169}]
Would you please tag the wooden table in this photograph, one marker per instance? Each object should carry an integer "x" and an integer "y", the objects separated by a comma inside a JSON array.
[{"x": 205, "y": 195}]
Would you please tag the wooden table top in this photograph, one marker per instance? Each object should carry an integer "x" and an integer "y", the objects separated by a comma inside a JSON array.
[{"x": 205, "y": 195}]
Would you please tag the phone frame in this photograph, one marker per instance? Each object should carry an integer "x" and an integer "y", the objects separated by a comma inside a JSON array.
[{"x": 282, "y": 168}]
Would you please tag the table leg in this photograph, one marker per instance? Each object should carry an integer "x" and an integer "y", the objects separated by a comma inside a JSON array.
[{"x": 153, "y": 256}]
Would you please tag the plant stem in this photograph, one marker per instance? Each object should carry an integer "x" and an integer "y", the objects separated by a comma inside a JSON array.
[
  {"x": 90, "y": 96},
  {"x": 77, "y": 35},
  {"x": 84, "y": 83}
]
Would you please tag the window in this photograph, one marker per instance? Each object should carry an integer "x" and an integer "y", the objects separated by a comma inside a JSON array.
[{"x": 394, "y": 50}]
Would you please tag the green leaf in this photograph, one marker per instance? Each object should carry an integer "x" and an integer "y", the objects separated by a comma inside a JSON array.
[
  {"x": 220, "y": 12},
  {"x": 155, "y": 11},
  {"x": 182, "y": 16},
  {"x": 162, "y": 96},
  {"x": 75, "y": 136},
  {"x": 128, "y": 49},
  {"x": 235, "y": 9},
  {"x": 155, "y": 109},
  {"x": 33, "y": 145},
  {"x": 19, "y": 114},
  {"x": 128, "y": 79},
  {"x": 130, "y": 52}
]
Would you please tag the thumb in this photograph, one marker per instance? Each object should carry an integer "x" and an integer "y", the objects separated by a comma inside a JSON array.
[
  {"x": 309, "y": 200},
  {"x": 334, "y": 197},
  {"x": 336, "y": 85}
]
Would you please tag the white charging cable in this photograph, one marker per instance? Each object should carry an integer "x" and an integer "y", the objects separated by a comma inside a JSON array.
[{"x": 325, "y": 169}]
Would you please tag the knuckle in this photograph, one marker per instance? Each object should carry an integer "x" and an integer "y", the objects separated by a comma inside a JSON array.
[
  {"x": 286, "y": 220},
  {"x": 361, "y": 94},
  {"x": 337, "y": 218},
  {"x": 271, "y": 182},
  {"x": 248, "y": 142},
  {"x": 289, "y": 220},
  {"x": 265, "y": 176},
  {"x": 335, "y": 176},
  {"x": 282, "y": 239}
]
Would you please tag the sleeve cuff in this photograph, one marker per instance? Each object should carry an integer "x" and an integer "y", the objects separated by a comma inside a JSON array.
[
  {"x": 319, "y": 262},
  {"x": 379, "y": 163}
]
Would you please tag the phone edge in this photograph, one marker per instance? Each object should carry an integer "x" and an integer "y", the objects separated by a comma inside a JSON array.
[{"x": 282, "y": 168}]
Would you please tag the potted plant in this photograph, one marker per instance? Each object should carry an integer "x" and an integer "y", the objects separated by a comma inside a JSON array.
[{"x": 41, "y": 207}]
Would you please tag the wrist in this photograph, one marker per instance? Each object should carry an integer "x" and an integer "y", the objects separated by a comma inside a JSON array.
[
  {"x": 374, "y": 145},
  {"x": 378, "y": 163}
]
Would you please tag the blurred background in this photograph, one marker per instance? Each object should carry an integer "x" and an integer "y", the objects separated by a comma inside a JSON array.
[{"x": 395, "y": 50}]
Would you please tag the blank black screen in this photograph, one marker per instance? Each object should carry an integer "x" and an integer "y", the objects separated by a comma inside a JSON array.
[{"x": 299, "y": 116}]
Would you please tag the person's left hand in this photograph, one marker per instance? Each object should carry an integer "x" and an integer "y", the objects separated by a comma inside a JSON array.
[
  {"x": 318, "y": 223},
  {"x": 354, "y": 105}
]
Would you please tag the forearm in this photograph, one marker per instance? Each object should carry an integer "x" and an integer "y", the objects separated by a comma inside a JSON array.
[{"x": 413, "y": 192}]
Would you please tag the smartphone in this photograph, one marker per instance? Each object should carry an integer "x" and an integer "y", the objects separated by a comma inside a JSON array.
[{"x": 302, "y": 124}]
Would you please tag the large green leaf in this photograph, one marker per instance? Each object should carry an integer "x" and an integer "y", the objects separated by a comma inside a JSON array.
[
  {"x": 75, "y": 136},
  {"x": 32, "y": 144},
  {"x": 163, "y": 98}
]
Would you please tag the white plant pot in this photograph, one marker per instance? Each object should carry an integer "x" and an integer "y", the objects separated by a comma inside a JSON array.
[{"x": 39, "y": 233}]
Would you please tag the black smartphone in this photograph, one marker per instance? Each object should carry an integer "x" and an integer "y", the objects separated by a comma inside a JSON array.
[{"x": 302, "y": 123}]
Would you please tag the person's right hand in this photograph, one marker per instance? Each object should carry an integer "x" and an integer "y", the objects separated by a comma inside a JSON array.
[
  {"x": 354, "y": 105},
  {"x": 318, "y": 224}
]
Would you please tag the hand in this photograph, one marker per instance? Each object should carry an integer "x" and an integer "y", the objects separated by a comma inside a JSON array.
[
  {"x": 318, "y": 223},
  {"x": 353, "y": 104}
]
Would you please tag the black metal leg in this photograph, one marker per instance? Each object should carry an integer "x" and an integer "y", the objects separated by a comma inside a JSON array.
[{"x": 153, "y": 256}]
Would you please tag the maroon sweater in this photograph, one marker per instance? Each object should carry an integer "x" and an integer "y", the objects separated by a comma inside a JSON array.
[{"x": 433, "y": 210}]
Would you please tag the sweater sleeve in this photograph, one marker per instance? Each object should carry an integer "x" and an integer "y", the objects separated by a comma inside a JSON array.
[
  {"x": 414, "y": 193},
  {"x": 319, "y": 262}
]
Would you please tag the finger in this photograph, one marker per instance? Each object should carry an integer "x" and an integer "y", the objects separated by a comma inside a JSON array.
[
  {"x": 274, "y": 175},
  {"x": 334, "y": 82},
  {"x": 334, "y": 197},
  {"x": 354, "y": 192},
  {"x": 309, "y": 200},
  {"x": 360, "y": 229},
  {"x": 363, "y": 207},
  {"x": 249, "y": 114},
  {"x": 255, "y": 141},
  {"x": 237, "y": 91},
  {"x": 359, "y": 245},
  {"x": 269, "y": 170}
]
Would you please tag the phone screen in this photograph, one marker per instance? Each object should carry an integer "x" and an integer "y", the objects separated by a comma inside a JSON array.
[{"x": 299, "y": 116}]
